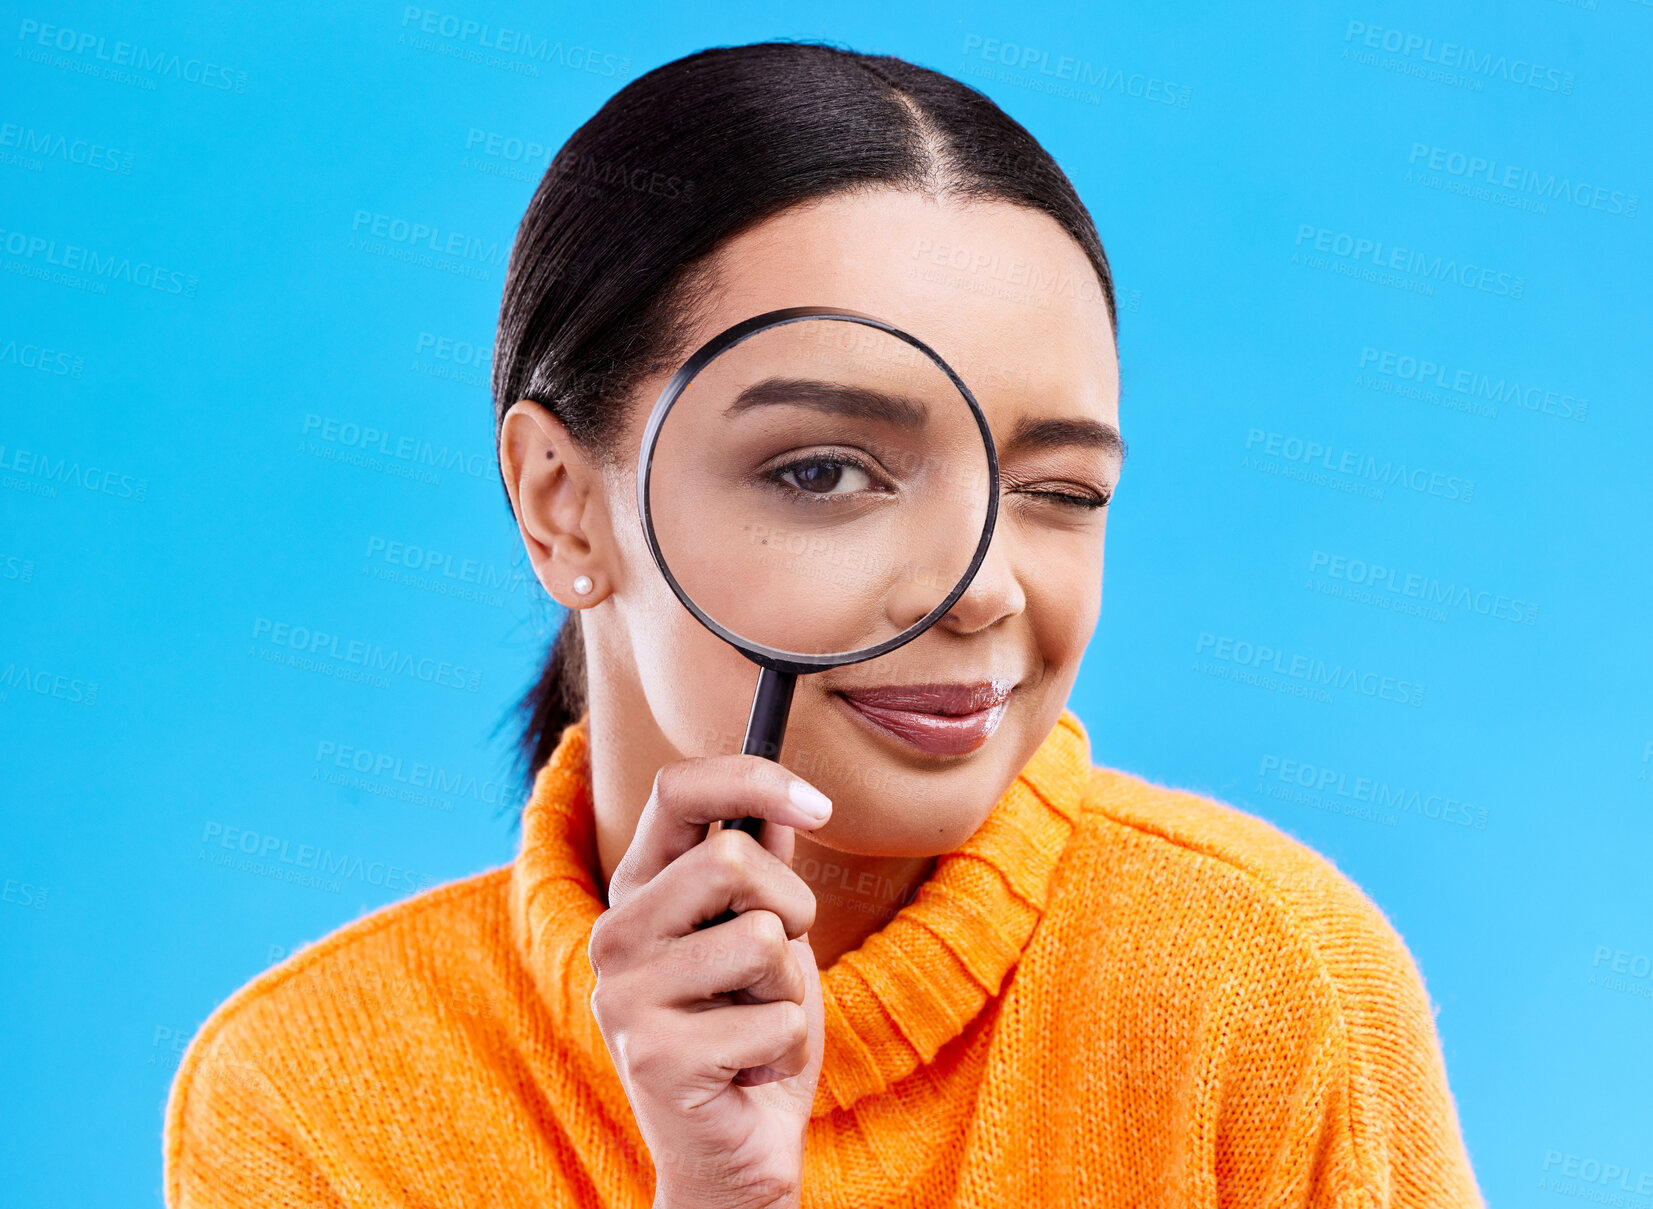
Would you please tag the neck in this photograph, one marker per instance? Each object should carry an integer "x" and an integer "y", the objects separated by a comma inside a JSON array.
[{"x": 855, "y": 895}]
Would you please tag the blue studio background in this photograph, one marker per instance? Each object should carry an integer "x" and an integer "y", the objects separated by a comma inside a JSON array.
[{"x": 1384, "y": 315}]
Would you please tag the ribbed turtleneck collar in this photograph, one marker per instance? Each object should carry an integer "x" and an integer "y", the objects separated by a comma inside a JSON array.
[{"x": 891, "y": 1004}]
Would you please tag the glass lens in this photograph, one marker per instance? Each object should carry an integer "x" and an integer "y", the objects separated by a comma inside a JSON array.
[{"x": 819, "y": 488}]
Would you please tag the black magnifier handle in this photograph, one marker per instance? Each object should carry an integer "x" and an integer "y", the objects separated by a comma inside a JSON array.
[{"x": 765, "y": 729}]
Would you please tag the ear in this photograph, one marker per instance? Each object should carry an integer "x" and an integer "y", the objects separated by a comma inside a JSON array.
[{"x": 556, "y": 494}]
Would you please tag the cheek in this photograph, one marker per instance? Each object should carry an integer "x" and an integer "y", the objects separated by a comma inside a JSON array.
[
  {"x": 1064, "y": 600},
  {"x": 697, "y": 686}
]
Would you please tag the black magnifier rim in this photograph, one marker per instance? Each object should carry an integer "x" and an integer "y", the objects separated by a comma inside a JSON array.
[{"x": 770, "y": 657}]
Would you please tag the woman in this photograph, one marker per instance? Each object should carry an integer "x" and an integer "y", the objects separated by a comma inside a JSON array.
[{"x": 972, "y": 968}]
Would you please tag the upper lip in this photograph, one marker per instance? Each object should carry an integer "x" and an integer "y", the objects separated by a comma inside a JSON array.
[{"x": 948, "y": 700}]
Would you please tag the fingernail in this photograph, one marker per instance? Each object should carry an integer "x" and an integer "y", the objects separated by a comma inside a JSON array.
[{"x": 810, "y": 800}]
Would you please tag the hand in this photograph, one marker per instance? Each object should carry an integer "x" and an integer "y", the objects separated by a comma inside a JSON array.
[{"x": 716, "y": 1032}]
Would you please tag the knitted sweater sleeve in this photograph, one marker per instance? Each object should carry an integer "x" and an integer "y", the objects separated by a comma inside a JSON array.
[
  {"x": 1332, "y": 1084},
  {"x": 1287, "y": 1035},
  {"x": 230, "y": 1137}
]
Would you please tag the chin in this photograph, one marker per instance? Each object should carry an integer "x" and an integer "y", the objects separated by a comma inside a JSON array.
[
  {"x": 898, "y": 790},
  {"x": 873, "y": 825}
]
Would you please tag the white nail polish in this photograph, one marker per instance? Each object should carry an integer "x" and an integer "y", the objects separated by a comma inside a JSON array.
[{"x": 810, "y": 800}]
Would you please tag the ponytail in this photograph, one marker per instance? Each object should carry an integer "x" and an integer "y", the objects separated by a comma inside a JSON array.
[{"x": 556, "y": 701}]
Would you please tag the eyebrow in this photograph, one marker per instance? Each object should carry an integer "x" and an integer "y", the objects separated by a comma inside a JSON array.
[
  {"x": 856, "y": 402},
  {"x": 1031, "y": 434}
]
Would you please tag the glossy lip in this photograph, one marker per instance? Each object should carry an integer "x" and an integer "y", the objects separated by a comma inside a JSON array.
[{"x": 938, "y": 719}]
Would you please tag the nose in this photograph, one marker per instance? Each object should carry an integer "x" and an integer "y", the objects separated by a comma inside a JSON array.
[
  {"x": 933, "y": 545},
  {"x": 994, "y": 594}
]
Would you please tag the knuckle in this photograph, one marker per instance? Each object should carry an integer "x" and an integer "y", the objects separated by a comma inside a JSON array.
[
  {"x": 673, "y": 782},
  {"x": 755, "y": 780},
  {"x": 610, "y": 940},
  {"x": 790, "y": 888},
  {"x": 807, "y": 904},
  {"x": 599, "y": 949},
  {"x": 758, "y": 771},
  {"x": 768, "y": 934},
  {"x": 642, "y": 1059},
  {"x": 600, "y": 1008},
  {"x": 731, "y": 858},
  {"x": 665, "y": 784},
  {"x": 792, "y": 1023}
]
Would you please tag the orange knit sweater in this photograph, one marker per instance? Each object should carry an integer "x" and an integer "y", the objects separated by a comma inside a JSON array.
[{"x": 1113, "y": 994}]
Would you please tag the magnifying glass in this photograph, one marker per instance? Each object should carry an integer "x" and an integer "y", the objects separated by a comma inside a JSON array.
[{"x": 818, "y": 488}]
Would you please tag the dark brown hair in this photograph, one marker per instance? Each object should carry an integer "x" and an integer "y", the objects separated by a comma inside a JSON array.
[{"x": 613, "y": 250}]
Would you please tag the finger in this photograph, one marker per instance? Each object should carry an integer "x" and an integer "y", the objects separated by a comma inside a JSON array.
[
  {"x": 778, "y": 838},
  {"x": 690, "y": 795},
  {"x": 750, "y": 955},
  {"x": 797, "y": 1060},
  {"x": 747, "y": 1036},
  {"x": 775, "y": 838},
  {"x": 728, "y": 871},
  {"x": 793, "y": 1062}
]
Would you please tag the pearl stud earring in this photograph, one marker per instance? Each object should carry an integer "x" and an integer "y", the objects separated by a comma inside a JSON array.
[{"x": 582, "y": 585}]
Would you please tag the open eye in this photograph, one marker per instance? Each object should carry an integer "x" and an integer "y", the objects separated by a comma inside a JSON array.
[{"x": 824, "y": 476}]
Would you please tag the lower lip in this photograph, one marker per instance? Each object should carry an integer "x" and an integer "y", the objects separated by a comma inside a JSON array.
[{"x": 936, "y": 734}]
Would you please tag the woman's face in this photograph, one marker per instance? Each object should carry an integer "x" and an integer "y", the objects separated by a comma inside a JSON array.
[{"x": 914, "y": 747}]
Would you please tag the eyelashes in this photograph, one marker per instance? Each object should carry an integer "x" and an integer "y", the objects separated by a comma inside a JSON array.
[
  {"x": 1088, "y": 503},
  {"x": 1070, "y": 499},
  {"x": 1080, "y": 495},
  {"x": 827, "y": 475},
  {"x": 839, "y": 475}
]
